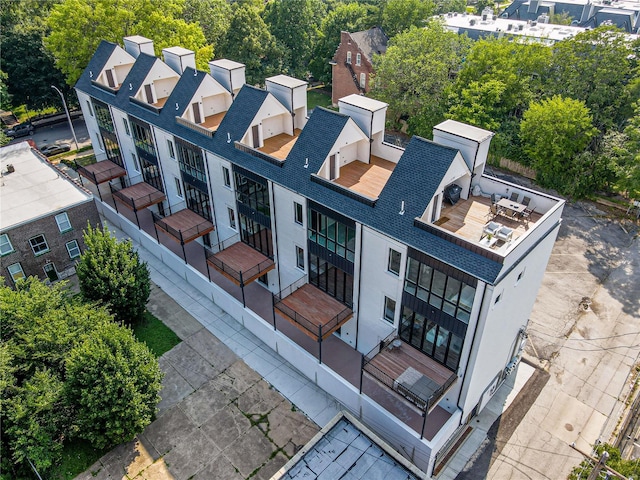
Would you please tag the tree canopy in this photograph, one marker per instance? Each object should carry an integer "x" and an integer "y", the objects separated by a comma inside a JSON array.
[
  {"x": 415, "y": 72},
  {"x": 400, "y": 15},
  {"x": 553, "y": 132},
  {"x": 111, "y": 20},
  {"x": 57, "y": 356},
  {"x": 111, "y": 272}
]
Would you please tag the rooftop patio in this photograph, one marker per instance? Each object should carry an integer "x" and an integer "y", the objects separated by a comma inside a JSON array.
[
  {"x": 212, "y": 122},
  {"x": 280, "y": 145},
  {"x": 467, "y": 218},
  {"x": 366, "y": 178}
]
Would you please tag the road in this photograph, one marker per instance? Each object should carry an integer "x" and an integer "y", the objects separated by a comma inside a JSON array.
[{"x": 60, "y": 133}]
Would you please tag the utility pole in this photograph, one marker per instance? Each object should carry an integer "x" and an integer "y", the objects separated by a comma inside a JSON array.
[
  {"x": 595, "y": 473},
  {"x": 66, "y": 110}
]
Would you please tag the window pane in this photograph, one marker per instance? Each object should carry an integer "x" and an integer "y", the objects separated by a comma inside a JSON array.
[
  {"x": 16, "y": 272},
  {"x": 437, "y": 286},
  {"x": 453, "y": 356},
  {"x": 412, "y": 270},
  {"x": 389, "y": 309},
  {"x": 423, "y": 294},
  {"x": 466, "y": 297},
  {"x": 394, "y": 261},
  {"x": 300, "y": 258},
  {"x": 441, "y": 344},
  {"x": 63, "y": 222},
  {"x": 453, "y": 290},
  {"x": 418, "y": 329},
  {"x": 406, "y": 324},
  {"x": 463, "y": 316},
  {"x": 342, "y": 234},
  {"x": 449, "y": 308},
  {"x": 429, "y": 338},
  {"x": 436, "y": 301},
  {"x": 5, "y": 244},
  {"x": 73, "y": 249},
  {"x": 39, "y": 244},
  {"x": 425, "y": 276}
]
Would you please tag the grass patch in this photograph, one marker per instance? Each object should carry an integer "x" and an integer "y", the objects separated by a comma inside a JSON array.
[
  {"x": 82, "y": 161},
  {"x": 77, "y": 456},
  {"x": 316, "y": 98},
  {"x": 22, "y": 114},
  {"x": 158, "y": 337}
]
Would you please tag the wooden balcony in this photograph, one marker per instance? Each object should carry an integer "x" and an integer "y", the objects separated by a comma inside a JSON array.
[
  {"x": 366, "y": 178},
  {"x": 183, "y": 226},
  {"x": 280, "y": 145},
  {"x": 241, "y": 263},
  {"x": 212, "y": 122},
  {"x": 101, "y": 172},
  {"x": 314, "y": 312},
  {"x": 139, "y": 196},
  {"x": 408, "y": 372}
]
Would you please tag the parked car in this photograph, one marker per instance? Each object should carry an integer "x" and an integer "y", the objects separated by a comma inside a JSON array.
[
  {"x": 55, "y": 149},
  {"x": 20, "y": 130}
]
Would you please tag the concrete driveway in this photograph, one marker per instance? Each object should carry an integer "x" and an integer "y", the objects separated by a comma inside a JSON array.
[
  {"x": 584, "y": 333},
  {"x": 218, "y": 419}
]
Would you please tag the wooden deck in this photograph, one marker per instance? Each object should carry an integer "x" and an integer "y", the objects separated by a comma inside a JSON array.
[
  {"x": 101, "y": 172},
  {"x": 240, "y": 261},
  {"x": 467, "y": 218},
  {"x": 280, "y": 145},
  {"x": 366, "y": 178},
  {"x": 212, "y": 122},
  {"x": 160, "y": 103},
  {"x": 139, "y": 196},
  {"x": 317, "y": 308},
  {"x": 186, "y": 224},
  {"x": 396, "y": 361}
]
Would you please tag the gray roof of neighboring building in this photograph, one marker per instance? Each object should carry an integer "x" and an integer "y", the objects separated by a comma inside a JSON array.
[
  {"x": 371, "y": 42},
  {"x": 414, "y": 180},
  {"x": 345, "y": 448}
]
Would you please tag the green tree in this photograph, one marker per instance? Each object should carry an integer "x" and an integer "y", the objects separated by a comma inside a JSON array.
[
  {"x": 212, "y": 15},
  {"x": 595, "y": 67},
  {"x": 629, "y": 169},
  {"x": 111, "y": 272},
  {"x": 78, "y": 26},
  {"x": 414, "y": 73},
  {"x": 249, "y": 41},
  {"x": 553, "y": 132},
  {"x": 113, "y": 383},
  {"x": 349, "y": 17},
  {"x": 295, "y": 25},
  {"x": 628, "y": 468},
  {"x": 400, "y": 15}
]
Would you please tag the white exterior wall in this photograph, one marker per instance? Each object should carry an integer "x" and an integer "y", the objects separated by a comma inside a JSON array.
[
  {"x": 168, "y": 167},
  {"x": 127, "y": 146},
  {"x": 92, "y": 125},
  {"x": 223, "y": 196},
  {"x": 300, "y": 106},
  {"x": 164, "y": 87},
  {"x": 500, "y": 323},
  {"x": 289, "y": 234},
  {"x": 273, "y": 126},
  {"x": 474, "y": 153},
  {"x": 379, "y": 119},
  {"x": 215, "y": 104},
  {"x": 376, "y": 282}
]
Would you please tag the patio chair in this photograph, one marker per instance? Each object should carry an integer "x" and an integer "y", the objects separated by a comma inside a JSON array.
[
  {"x": 526, "y": 214},
  {"x": 505, "y": 234},
  {"x": 514, "y": 196},
  {"x": 495, "y": 210},
  {"x": 491, "y": 228},
  {"x": 494, "y": 200},
  {"x": 526, "y": 201}
]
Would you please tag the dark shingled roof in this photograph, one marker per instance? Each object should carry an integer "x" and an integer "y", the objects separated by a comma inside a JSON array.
[
  {"x": 371, "y": 42},
  {"x": 414, "y": 180}
]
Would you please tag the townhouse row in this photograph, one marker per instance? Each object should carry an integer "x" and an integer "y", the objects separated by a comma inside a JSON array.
[{"x": 373, "y": 262}]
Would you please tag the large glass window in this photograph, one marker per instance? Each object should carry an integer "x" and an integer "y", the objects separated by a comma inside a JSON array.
[
  {"x": 331, "y": 234},
  {"x": 197, "y": 201},
  {"x": 63, "y": 222},
  {"x": 191, "y": 161},
  {"x": 256, "y": 236},
  {"x": 439, "y": 290},
  {"x": 151, "y": 174},
  {"x": 103, "y": 116},
  {"x": 253, "y": 194},
  {"x": 5, "y": 244},
  {"x": 142, "y": 137},
  {"x": 39, "y": 244},
  {"x": 432, "y": 339},
  {"x": 331, "y": 279}
]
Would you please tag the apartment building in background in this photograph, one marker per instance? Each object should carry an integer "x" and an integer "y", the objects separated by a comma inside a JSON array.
[
  {"x": 383, "y": 274},
  {"x": 42, "y": 217}
]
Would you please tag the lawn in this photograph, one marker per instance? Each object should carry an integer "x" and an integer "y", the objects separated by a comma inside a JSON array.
[
  {"x": 158, "y": 337},
  {"x": 317, "y": 98},
  {"x": 77, "y": 456}
]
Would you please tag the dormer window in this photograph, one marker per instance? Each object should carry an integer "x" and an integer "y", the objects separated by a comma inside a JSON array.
[{"x": 348, "y": 57}]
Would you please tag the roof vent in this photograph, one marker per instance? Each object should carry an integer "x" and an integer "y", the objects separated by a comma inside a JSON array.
[{"x": 401, "y": 212}]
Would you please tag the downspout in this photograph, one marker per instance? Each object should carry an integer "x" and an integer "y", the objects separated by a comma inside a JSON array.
[
  {"x": 371, "y": 137},
  {"x": 359, "y": 286},
  {"x": 473, "y": 340},
  {"x": 293, "y": 121},
  {"x": 473, "y": 170},
  {"x": 274, "y": 229},
  {"x": 231, "y": 86}
]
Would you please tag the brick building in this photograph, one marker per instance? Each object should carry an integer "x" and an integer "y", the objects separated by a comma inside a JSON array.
[
  {"x": 42, "y": 215},
  {"x": 352, "y": 63}
]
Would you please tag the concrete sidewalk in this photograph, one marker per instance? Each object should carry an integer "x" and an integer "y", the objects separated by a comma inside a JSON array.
[{"x": 199, "y": 374}]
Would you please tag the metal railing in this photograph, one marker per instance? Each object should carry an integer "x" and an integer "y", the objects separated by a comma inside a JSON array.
[
  {"x": 189, "y": 233},
  {"x": 138, "y": 202},
  {"x": 259, "y": 154},
  {"x": 316, "y": 330},
  {"x": 194, "y": 126},
  {"x": 239, "y": 275},
  {"x": 103, "y": 176},
  {"x": 384, "y": 378}
]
